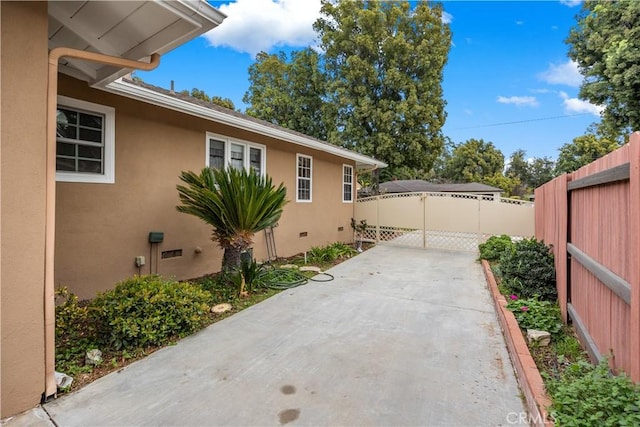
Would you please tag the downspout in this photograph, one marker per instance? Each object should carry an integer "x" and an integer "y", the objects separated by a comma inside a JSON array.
[{"x": 50, "y": 203}]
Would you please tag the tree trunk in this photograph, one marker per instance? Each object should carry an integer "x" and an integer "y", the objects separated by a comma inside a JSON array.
[{"x": 231, "y": 258}]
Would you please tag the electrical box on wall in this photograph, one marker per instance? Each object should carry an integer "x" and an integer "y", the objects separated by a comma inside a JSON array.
[
  {"x": 140, "y": 261},
  {"x": 156, "y": 237}
]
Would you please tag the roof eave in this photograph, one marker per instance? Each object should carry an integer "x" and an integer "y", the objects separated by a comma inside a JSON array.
[{"x": 133, "y": 91}]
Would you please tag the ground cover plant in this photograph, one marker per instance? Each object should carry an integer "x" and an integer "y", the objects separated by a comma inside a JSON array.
[
  {"x": 144, "y": 313},
  {"x": 582, "y": 394}
]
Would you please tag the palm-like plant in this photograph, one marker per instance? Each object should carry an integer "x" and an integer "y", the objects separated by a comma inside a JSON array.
[{"x": 236, "y": 203}]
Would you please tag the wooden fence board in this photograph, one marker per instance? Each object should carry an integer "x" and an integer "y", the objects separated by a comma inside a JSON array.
[{"x": 596, "y": 210}]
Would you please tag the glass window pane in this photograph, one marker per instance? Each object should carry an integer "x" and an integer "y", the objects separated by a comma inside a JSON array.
[
  {"x": 69, "y": 116},
  {"x": 237, "y": 156},
  {"x": 255, "y": 159},
  {"x": 64, "y": 149},
  {"x": 91, "y": 120},
  {"x": 90, "y": 135},
  {"x": 90, "y": 152},
  {"x": 216, "y": 154},
  {"x": 65, "y": 124},
  {"x": 89, "y": 166},
  {"x": 64, "y": 164}
]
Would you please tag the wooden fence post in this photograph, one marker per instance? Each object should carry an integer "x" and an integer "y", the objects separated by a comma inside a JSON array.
[{"x": 634, "y": 255}]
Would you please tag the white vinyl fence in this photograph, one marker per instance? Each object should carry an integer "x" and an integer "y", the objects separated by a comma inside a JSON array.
[{"x": 454, "y": 221}]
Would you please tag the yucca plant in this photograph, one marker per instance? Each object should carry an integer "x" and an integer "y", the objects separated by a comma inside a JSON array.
[{"x": 236, "y": 203}]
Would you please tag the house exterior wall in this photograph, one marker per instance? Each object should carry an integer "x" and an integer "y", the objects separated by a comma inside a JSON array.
[
  {"x": 101, "y": 228},
  {"x": 23, "y": 65}
]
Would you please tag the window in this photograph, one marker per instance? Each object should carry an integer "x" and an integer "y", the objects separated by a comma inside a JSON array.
[
  {"x": 224, "y": 152},
  {"x": 303, "y": 183},
  {"x": 347, "y": 183},
  {"x": 85, "y": 142}
]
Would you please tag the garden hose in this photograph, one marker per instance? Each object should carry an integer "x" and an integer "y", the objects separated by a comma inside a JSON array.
[{"x": 286, "y": 278}]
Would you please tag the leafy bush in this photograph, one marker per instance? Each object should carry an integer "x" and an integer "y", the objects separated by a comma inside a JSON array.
[
  {"x": 75, "y": 332},
  {"x": 148, "y": 310},
  {"x": 527, "y": 269},
  {"x": 534, "y": 314},
  {"x": 588, "y": 395},
  {"x": 492, "y": 249},
  {"x": 330, "y": 253}
]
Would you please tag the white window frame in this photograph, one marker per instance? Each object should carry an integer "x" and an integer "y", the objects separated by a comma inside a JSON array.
[
  {"x": 109, "y": 154},
  {"x": 298, "y": 178},
  {"x": 345, "y": 183},
  {"x": 227, "y": 151}
]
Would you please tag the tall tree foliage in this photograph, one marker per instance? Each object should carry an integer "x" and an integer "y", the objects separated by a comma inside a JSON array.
[
  {"x": 384, "y": 61},
  {"x": 377, "y": 85},
  {"x": 289, "y": 92},
  {"x": 218, "y": 100},
  {"x": 606, "y": 45},
  {"x": 474, "y": 161},
  {"x": 582, "y": 151}
]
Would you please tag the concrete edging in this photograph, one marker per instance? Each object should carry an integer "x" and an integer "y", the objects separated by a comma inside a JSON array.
[{"x": 537, "y": 400}]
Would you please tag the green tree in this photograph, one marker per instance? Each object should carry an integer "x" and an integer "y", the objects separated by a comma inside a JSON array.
[
  {"x": 384, "y": 63},
  {"x": 236, "y": 203},
  {"x": 375, "y": 89},
  {"x": 582, "y": 151},
  {"x": 473, "y": 161},
  {"x": 606, "y": 45},
  {"x": 519, "y": 169},
  {"x": 541, "y": 170},
  {"x": 289, "y": 93},
  {"x": 218, "y": 100},
  {"x": 511, "y": 186}
]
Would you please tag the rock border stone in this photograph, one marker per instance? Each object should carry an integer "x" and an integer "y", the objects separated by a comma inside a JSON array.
[{"x": 527, "y": 373}]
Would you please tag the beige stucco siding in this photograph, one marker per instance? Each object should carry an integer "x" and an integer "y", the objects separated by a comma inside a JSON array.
[
  {"x": 101, "y": 228},
  {"x": 24, "y": 82}
]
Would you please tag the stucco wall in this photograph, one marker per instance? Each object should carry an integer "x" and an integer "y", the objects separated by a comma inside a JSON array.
[
  {"x": 24, "y": 82},
  {"x": 101, "y": 228}
]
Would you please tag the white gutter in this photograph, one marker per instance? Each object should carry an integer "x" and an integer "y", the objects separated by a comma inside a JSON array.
[{"x": 149, "y": 96}]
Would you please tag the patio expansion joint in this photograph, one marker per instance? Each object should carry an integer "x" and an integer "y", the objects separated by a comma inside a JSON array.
[{"x": 437, "y": 304}]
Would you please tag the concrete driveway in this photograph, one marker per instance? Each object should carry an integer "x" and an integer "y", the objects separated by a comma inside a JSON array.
[{"x": 401, "y": 337}]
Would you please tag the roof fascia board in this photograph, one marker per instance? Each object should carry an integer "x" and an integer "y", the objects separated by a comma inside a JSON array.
[{"x": 151, "y": 97}]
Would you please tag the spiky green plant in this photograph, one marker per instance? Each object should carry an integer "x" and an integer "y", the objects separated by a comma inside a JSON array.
[{"x": 236, "y": 203}]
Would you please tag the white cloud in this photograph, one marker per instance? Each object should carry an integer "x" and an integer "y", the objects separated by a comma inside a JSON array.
[
  {"x": 575, "y": 105},
  {"x": 447, "y": 18},
  {"x": 571, "y": 3},
  {"x": 541, "y": 91},
  {"x": 252, "y": 26},
  {"x": 562, "y": 74},
  {"x": 519, "y": 101}
]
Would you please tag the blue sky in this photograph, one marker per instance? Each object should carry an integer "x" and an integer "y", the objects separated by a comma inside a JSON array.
[{"x": 508, "y": 63}]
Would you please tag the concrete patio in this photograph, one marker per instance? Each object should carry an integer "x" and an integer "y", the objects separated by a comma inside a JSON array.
[{"x": 402, "y": 336}]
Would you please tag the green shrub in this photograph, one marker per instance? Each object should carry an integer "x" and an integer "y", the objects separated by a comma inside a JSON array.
[
  {"x": 492, "y": 249},
  {"x": 221, "y": 286},
  {"x": 587, "y": 395},
  {"x": 534, "y": 314},
  {"x": 528, "y": 270},
  {"x": 329, "y": 253},
  {"x": 75, "y": 332},
  {"x": 148, "y": 310}
]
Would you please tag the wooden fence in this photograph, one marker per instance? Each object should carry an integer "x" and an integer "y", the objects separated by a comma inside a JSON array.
[{"x": 592, "y": 219}]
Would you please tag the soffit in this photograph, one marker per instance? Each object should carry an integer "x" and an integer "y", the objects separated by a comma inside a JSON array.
[{"x": 128, "y": 29}]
